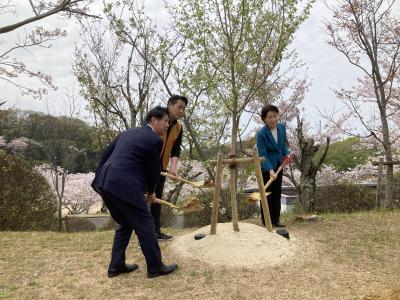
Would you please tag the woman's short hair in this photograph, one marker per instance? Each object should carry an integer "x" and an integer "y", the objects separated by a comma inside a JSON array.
[
  {"x": 267, "y": 108},
  {"x": 157, "y": 112}
]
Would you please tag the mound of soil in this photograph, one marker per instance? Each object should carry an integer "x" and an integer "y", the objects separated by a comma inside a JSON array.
[{"x": 253, "y": 246}]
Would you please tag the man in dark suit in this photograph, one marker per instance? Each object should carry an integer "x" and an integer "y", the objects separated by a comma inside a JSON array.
[{"x": 129, "y": 166}]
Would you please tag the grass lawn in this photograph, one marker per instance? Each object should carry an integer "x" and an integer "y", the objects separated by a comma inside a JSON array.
[{"x": 344, "y": 256}]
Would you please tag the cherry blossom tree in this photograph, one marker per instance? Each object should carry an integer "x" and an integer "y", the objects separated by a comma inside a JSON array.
[
  {"x": 115, "y": 80},
  {"x": 77, "y": 195},
  {"x": 12, "y": 69},
  {"x": 367, "y": 34},
  {"x": 18, "y": 145}
]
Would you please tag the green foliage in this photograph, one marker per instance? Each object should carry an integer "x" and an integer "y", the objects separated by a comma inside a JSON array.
[
  {"x": 343, "y": 197},
  {"x": 26, "y": 200},
  {"x": 53, "y": 137},
  {"x": 346, "y": 154}
]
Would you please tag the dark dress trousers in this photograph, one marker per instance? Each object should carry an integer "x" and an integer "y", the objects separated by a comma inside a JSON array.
[{"x": 129, "y": 166}]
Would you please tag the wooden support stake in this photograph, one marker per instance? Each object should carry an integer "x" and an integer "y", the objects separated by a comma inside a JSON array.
[
  {"x": 235, "y": 161},
  {"x": 261, "y": 189},
  {"x": 217, "y": 195}
]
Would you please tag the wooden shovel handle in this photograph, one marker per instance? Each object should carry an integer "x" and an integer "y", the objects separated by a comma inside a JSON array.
[
  {"x": 166, "y": 203},
  {"x": 180, "y": 179},
  {"x": 272, "y": 179}
]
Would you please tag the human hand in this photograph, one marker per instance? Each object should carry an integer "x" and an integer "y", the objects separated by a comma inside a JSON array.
[
  {"x": 151, "y": 198},
  {"x": 273, "y": 175},
  {"x": 172, "y": 171},
  {"x": 288, "y": 159}
]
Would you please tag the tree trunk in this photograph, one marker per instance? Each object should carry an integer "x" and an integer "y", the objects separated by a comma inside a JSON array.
[
  {"x": 308, "y": 167},
  {"x": 233, "y": 178},
  {"x": 388, "y": 203},
  {"x": 307, "y": 192}
]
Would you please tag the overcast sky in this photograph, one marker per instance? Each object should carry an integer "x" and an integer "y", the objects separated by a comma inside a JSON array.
[{"x": 327, "y": 69}]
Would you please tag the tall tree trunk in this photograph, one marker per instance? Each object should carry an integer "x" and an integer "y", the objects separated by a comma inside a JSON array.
[
  {"x": 233, "y": 178},
  {"x": 388, "y": 203}
]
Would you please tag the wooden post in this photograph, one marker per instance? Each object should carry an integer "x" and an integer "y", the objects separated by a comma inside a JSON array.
[
  {"x": 379, "y": 184},
  {"x": 235, "y": 161},
  {"x": 217, "y": 195},
  {"x": 260, "y": 182}
]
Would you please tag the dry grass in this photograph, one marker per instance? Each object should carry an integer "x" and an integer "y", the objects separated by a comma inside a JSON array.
[{"x": 344, "y": 256}]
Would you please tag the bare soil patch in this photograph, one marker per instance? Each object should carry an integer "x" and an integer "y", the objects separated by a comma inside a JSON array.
[{"x": 251, "y": 247}]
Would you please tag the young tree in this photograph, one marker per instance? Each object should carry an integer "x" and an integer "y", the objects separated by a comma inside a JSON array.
[
  {"x": 238, "y": 45},
  {"x": 367, "y": 34}
]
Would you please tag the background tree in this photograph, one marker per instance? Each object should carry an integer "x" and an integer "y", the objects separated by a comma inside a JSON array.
[
  {"x": 367, "y": 34},
  {"x": 117, "y": 83},
  {"x": 174, "y": 70},
  {"x": 45, "y": 134},
  {"x": 13, "y": 69},
  {"x": 347, "y": 154},
  {"x": 306, "y": 162}
]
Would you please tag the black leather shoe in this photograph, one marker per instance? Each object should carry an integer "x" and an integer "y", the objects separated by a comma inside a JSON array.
[
  {"x": 112, "y": 272},
  {"x": 278, "y": 224},
  {"x": 163, "y": 237},
  {"x": 164, "y": 270}
]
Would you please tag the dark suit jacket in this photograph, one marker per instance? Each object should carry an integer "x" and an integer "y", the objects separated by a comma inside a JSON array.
[
  {"x": 270, "y": 149},
  {"x": 130, "y": 165}
]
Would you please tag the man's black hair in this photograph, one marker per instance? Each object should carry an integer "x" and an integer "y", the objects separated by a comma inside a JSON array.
[
  {"x": 157, "y": 112},
  {"x": 267, "y": 108},
  {"x": 175, "y": 98}
]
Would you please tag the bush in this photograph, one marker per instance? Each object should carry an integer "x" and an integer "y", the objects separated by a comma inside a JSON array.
[
  {"x": 203, "y": 218},
  {"x": 26, "y": 200},
  {"x": 76, "y": 224},
  {"x": 344, "y": 197}
]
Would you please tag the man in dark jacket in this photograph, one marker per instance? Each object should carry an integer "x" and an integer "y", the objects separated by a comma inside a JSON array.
[
  {"x": 129, "y": 166},
  {"x": 171, "y": 150}
]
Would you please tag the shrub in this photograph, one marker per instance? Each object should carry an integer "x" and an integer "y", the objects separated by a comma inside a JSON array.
[
  {"x": 343, "y": 197},
  {"x": 26, "y": 200},
  {"x": 75, "y": 224}
]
